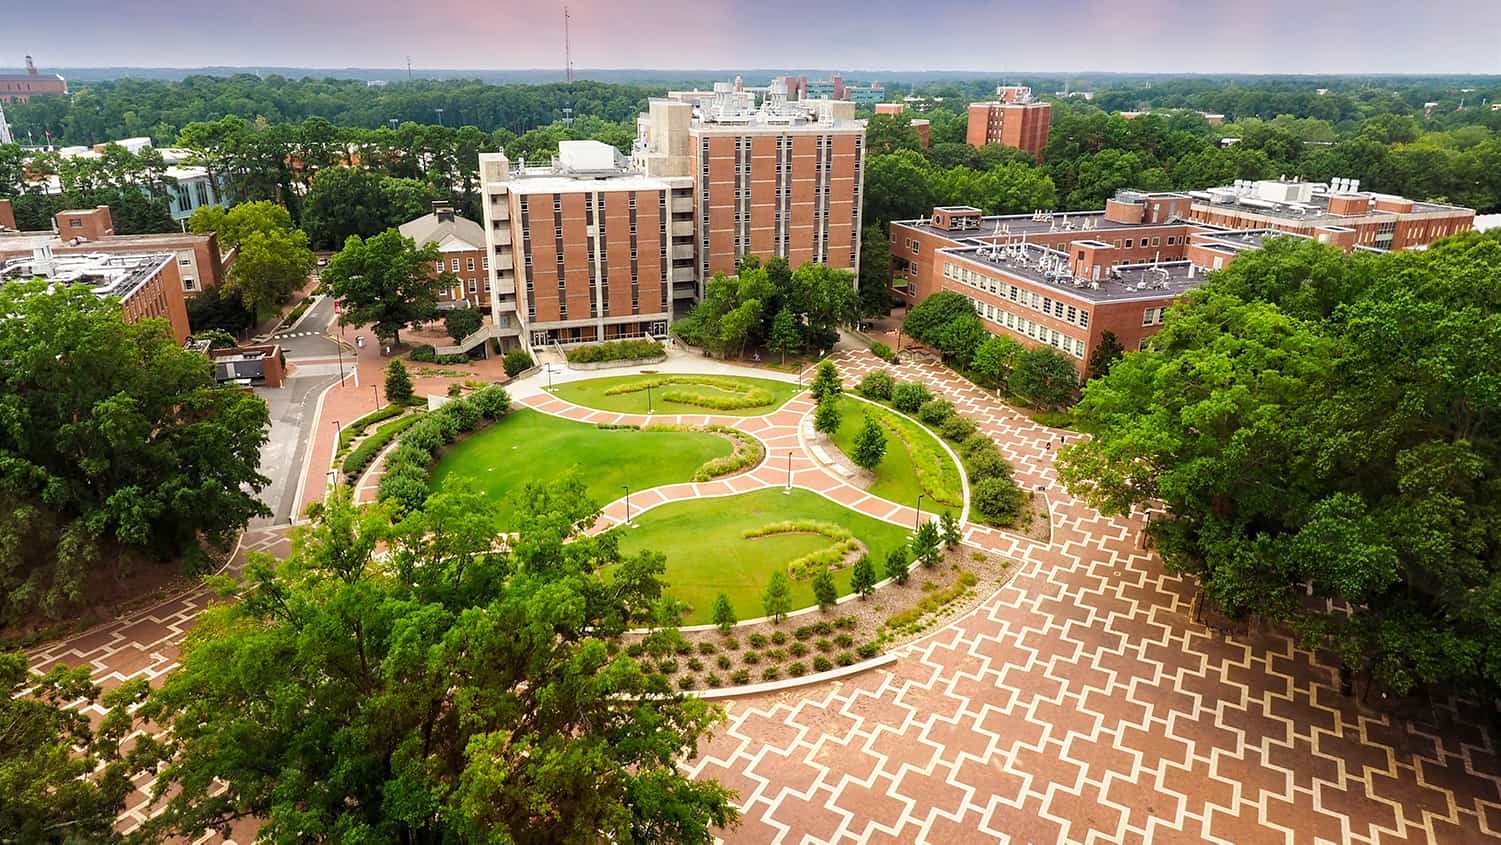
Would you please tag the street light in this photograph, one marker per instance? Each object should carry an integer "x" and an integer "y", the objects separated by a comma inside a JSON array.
[
  {"x": 549, "y": 378},
  {"x": 333, "y": 478},
  {"x": 376, "y": 388},
  {"x": 917, "y": 519},
  {"x": 340, "y": 347},
  {"x": 648, "y": 399},
  {"x": 627, "y": 489},
  {"x": 788, "y": 490}
]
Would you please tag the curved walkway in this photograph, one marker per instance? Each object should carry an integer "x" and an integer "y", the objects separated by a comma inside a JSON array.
[{"x": 1080, "y": 703}]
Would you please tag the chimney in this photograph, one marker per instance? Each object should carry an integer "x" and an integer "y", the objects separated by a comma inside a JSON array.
[{"x": 30, "y": 67}]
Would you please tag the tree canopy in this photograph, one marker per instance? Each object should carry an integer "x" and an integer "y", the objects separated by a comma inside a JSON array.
[
  {"x": 1322, "y": 431},
  {"x": 115, "y": 443},
  {"x": 387, "y": 281},
  {"x": 448, "y": 689}
]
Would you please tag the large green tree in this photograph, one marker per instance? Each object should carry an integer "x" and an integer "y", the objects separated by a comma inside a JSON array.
[
  {"x": 446, "y": 688},
  {"x": 115, "y": 444},
  {"x": 1326, "y": 453},
  {"x": 387, "y": 281}
]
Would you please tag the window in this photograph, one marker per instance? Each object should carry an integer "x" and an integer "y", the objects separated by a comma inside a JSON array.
[
  {"x": 454, "y": 263},
  {"x": 1156, "y": 241},
  {"x": 485, "y": 263},
  {"x": 916, "y": 247},
  {"x": 438, "y": 265},
  {"x": 188, "y": 283},
  {"x": 75, "y": 223},
  {"x": 1128, "y": 243},
  {"x": 472, "y": 286},
  {"x": 469, "y": 264}
]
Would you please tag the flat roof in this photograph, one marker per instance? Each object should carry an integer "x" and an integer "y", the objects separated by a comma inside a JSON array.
[
  {"x": 1028, "y": 224},
  {"x": 108, "y": 275},
  {"x": 548, "y": 183},
  {"x": 1047, "y": 268},
  {"x": 1315, "y": 210}
]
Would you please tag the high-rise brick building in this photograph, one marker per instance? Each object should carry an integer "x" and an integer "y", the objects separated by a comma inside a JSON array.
[
  {"x": 1013, "y": 119},
  {"x": 769, "y": 176}
]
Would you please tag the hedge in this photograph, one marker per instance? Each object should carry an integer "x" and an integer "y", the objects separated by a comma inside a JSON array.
[
  {"x": 747, "y": 450},
  {"x": 938, "y": 478},
  {"x": 409, "y": 466},
  {"x": 616, "y": 350},
  {"x": 356, "y": 462},
  {"x": 356, "y": 428},
  {"x": 427, "y": 354}
]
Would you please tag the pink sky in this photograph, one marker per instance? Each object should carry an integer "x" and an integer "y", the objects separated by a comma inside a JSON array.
[{"x": 1270, "y": 36}]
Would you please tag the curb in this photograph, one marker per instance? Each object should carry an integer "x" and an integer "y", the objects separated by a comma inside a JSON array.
[{"x": 793, "y": 683}]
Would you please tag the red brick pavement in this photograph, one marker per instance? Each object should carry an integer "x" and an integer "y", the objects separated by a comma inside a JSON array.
[{"x": 1082, "y": 704}]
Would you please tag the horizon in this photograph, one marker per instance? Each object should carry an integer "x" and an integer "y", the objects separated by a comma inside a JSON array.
[{"x": 1160, "y": 37}]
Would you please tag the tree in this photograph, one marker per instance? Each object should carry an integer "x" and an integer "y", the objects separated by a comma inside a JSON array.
[
  {"x": 1105, "y": 354},
  {"x": 870, "y": 445},
  {"x": 785, "y": 335},
  {"x": 344, "y": 202},
  {"x": 398, "y": 383},
  {"x": 724, "y": 614},
  {"x": 270, "y": 265},
  {"x": 826, "y": 417},
  {"x": 885, "y": 133},
  {"x": 386, "y": 281},
  {"x": 997, "y": 498},
  {"x": 927, "y": 320},
  {"x": 875, "y": 272},
  {"x": 825, "y": 382},
  {"x": 61, "y": 779},
  {"x": 777, "y": 600},
  {"x": 896, "y": 565},
  {"x": 949, "y": 526},
  {"x": 231, "y": 226},
  {"x": 401, "y": 683},
  {"x": 1043, "y": 377},
  {"x": 462, "y": 322},
  {"x": 961, "y": 338},
  {"x": 863, "y": 577},
  {"x": 824, "y": 591},
  {"x": 120, "y": 446},
  {"x": 994, "y": 359},
  {"x": 516, "y": 362},
  {"x": 739, "y": 325},
  {"x": 925, "y": 546},
  {"x": 829, "y": 300}
]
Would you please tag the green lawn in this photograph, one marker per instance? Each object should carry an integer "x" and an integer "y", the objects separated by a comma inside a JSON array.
[
  {"x": 897, "y": 475},
  {"x": 591, "y": 393},
  {"x": 530, "y": 445},
  {"x": 706, "y": 553}
]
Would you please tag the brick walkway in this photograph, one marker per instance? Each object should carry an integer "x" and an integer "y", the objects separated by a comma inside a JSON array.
[
  {"x": 1078, "y": 704},
  {"x": 1082, "y": 704}
]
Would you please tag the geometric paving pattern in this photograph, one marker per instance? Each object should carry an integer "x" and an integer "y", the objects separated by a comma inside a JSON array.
[{"x": 1082, "y": 704}]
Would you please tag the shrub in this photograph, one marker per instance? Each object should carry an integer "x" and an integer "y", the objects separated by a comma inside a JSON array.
[
  {"x": 824, "y": 645},
  {"x": 868, "y": 650},
  {"x": 776, "y": 655},
  {"x": 967, "y": 579},
  {"x": 356, "y": 428},
  {"x": 724, "y": 661},
  {"x": 706, "y": 648},
  {"x": 616, "y": 350},
  {"x": 492, "y": 402},
  {"x": 740, "y": 677},
  {"x": 731, "y": 644},
  {"x": 635, "y": 650},
  {"x": 797, "y": 670},
  {"x": 825, "y": 382},
  {"x": 516, "y": 362},
  {"x": 778, "y": 637},
  {"x": 771, "y": 673},
  {"x": 398, "y": 383},
  {"x": 882, "y": 351},
  {"x": 797, "y": 649},
  {"x": 685, "y": 682},
  {"x": 935, "y": 411},
  {"x": 356, "y": 462},
  {"x": 844, "y": 640},
  {"x": 877, "y": 385},
  {"x": 846, "y": 623},
  {"x": 667, "y": 666},
  {"x": 757, "y": 640},
  {"x": 896, "y": 565},
  {"x": 713, "y": 680},
  {"x": 957, "y": 428},
  {"x": 750, "y": 658},
  {"x": 826, "y": 417},
  {"x": 745, "y": 396},
  {"x": 909, "y": 396},
  {"x": 682, "y": 648},
  {"x": 803, "y": 632},
  {"x": 464, "y": 414},
  {"x": 998, "y": 500},
  {"x": 747, "y": 452},
  {"x": 822, "y": 664},
  {"x": 823, "y": 627},
  {"x": 845, "y": 658},
  {"x": 424, "y": 353},
  {"x": 695, "y": 665}
]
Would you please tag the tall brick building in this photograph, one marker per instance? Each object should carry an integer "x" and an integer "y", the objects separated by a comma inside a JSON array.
[
  {"x": 1062, "y": 280},
  {"x": 1013, "y": 119},
  {"x": 778, "y": 177},
  {"x": 20, "y": 87}
]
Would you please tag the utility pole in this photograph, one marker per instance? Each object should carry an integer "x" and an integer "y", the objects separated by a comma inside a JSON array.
[
  {"x": 409, "y": 68},
  {"x": 567, "y": 69}
]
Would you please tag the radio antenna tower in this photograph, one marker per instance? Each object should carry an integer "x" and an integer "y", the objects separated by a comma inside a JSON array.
[{"x": 567, "y": 50}]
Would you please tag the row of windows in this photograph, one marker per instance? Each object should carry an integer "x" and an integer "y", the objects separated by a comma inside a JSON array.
[
  {"x": 1025, "y": 327},
  {"x": 468, "y": 264},
  {"x": 1046, "y": 304}
]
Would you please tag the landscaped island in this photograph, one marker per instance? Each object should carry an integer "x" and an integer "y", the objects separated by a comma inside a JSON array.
[{"x": 679, "y": 393}]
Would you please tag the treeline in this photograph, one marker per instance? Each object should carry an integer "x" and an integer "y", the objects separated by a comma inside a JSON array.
[{"x": 127, "y": 108}]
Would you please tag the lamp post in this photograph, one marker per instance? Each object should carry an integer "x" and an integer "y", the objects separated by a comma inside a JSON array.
[
  {"x": 549, "y": 378},
  {"x": 917, "y": 520},
  {"x": 788, "y": 489},
  {"x": 627, "y": 489},
  {"x": 648, "y": 399},
  {"x": 333, "y": 478},
  {"x": 340, "y": 347},
  {"x": 376, "y": 388},
  {"x": 899, "y": 337}
]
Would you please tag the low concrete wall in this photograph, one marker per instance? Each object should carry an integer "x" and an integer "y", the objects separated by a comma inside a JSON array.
[{"x": 610, "y": 365}]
